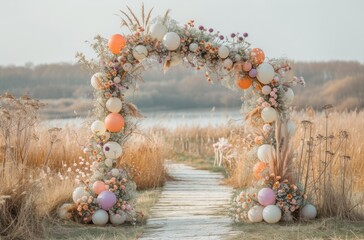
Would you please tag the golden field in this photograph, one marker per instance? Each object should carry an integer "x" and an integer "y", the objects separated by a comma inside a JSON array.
[{"x": 39, "y": 165}]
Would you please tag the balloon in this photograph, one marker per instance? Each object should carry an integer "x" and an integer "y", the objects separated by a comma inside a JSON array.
[
  {"x": 309, "y": 211},
  {"x": 228, "y": 63},
  {"x": 266, "y": 197},
  {"x": 288, "y": 96},
  {"x": 117, "y": 219},
  {"x": 106, "y": 200},
  {"x": 114, "y": 105},
  {"x": 244, "y": 83},
  {"x": 171, "y": 41},
  {"x": 247, "y": 66},
  {"x": 78, "y": 193},
  {"x": 97, "y": 79},
  {"x": 257, "y": 56},
  {"x": 255, "y": 214},
  {"x": 63, "y": 212},
  {"x": 127, "y": 66},
  {"x": 265, "y": 73},
  {"x": 223, "y": 52},
  {"x": 253, "y": 73},
  {"x": 116, "y": 43},
  {"x": 265, "y": 152},
  {"x": 108, "y": 162},
  {"x": 258, "y": 168},
  {"x": 193, "y": 47},
  {"x": 98, "y": 187},
  {"x": 114, "y": 122},
  {"x": 117, "y": 80},
  {"x": 140, "y": 52},
  {"x": 269, "y": 114},
  {"x": 266, "y": 90},
  {"x": 98, "y": 128},
  {"x": 267, "y": 127},
  {"x": 100, "y": 217},
  {"x": 158, "y": 30},
  {"x": 112, "y": 150},
  {"x": 272, "y": 214},
  {"x": 115, "y": 172}
]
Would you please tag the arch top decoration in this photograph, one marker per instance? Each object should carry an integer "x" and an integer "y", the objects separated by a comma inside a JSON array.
[{"x": 121, "y": 60}]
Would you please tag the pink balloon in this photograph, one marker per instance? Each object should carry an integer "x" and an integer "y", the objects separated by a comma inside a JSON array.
[
  {"x": 98, "y": 187},
  {"x": 266, "y": 197},
  {"x": 247, "y": 66},
  {"x": 106, "y": 200}
]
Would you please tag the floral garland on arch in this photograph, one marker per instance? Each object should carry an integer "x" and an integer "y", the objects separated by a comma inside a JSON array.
[{"x": 106, "y": 196}]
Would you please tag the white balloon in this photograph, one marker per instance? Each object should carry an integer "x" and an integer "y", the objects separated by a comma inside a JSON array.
[
  {"x": 272, "y": 214},
  {"x": 127, "y": 66},
  {"x": 78, "y": 193},
  {"x": 115, "y": 172},
  {"x": 63, "y": 211},
  {"x": 171, "y": 41},
  {"x": 100, "y": 217},
  {"x": 114, "y": 105},
  {"x": 228, "y": 63},
  {"x": 309, "y": 211},
  {"x": 267, "y": 127},
  {"x": 265, "y": 73},
  {"x": 269, "y": 114},
  {"x": 158, "y": 31},
  {"x": 193, "y": 47},
  {"x": 108, "y": 162},
  {"x": 223, "y": 52},
  {"x": 140, "y": 52},
  {"x": 266, "y": 90},
  {"x": 265, "y": 152},
  {"x": 117, "y": 219},
  {"x": 255, "y": 214},
  {"x": 117, "y": 80},
  {"x": 98, "y": 127},
  {"x": 112, "y": 150},
  {"x": 97, "y": 79},
  {"x": 288, "y": 96}
]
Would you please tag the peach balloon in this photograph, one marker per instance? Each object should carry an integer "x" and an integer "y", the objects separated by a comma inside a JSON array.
[
  {"x": 116, "y": 43},
  {"x": 114, "y": 122},
  {"x": 98, "y": 187},
  {"x": 244, "y": 83},
  {"x": 257, "y": 56},
  {"x": 247, "y": 66},
  {"x": 258, "y": 168}
]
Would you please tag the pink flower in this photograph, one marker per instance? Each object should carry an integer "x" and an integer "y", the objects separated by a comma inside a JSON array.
[
  {"x": 265, "y": 104},
  {"x": 272, "y": 93}
]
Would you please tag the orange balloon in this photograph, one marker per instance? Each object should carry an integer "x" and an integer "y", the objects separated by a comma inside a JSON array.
[
  {"x": 98, "y": 187},
  {"x": 116, "y": 43},
  {"x": 114, "y": 122},
  {"x": 244, "y": 83},
  {"x": 258, "y": 168},
  {"x": 257, "y": 56}
]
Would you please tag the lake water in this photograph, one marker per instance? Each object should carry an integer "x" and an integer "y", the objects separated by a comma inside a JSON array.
[{"x": 170, "y": 119}]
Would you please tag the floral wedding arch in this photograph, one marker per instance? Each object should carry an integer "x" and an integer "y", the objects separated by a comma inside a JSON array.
[{"x": 227, "y": 60}]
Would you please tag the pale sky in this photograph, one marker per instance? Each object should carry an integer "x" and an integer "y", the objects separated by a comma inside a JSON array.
[{"x": 49, "y": 31}]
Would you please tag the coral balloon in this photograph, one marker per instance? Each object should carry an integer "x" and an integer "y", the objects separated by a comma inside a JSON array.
[
  {"x": 247, "y": 66},
  {"x": 244, "y": 83},
  {"x": 257, "y": 56},
  {"x": 116, "y": 43},
  {"x": 114, "y": 122},
  {"x": 258, "y": 168},
  {"x": 266, "y": 196},
  {"x": 98, "y": 187}
]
